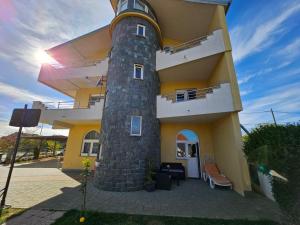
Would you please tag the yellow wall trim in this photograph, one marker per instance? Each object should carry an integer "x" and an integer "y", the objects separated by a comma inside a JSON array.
[{"x": 136, "y": 14}]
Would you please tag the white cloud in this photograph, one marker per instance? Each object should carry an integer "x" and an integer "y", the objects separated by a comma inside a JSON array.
[
  {"x": 246, "y": 42},
  {"x": 37, "y": 24},
  {"x": 291, "y": 51},
  {"x": 22, "y": 95},
  {"x": 282, "y": 99}
]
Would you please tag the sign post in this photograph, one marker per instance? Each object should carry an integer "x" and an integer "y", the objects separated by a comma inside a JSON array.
[{"x": 20, "y": 118}]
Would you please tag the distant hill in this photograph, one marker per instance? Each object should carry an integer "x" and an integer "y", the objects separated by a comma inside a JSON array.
[{"x": 12, "y": 137}]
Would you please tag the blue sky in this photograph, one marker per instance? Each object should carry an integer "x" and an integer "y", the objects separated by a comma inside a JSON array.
[{"x": 265, "y": 38}]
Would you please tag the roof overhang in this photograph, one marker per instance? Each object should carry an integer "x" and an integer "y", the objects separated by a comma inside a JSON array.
[
  {"x": 174, "y": 15},
  {"x": 91, "y": 46},
  {"x": 225, "y": 3}
]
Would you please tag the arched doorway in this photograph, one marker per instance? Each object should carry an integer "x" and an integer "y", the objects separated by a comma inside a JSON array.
[{"x": 187, "y": 148}]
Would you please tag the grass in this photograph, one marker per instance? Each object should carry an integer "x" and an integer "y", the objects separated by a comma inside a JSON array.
[
  {"x": 95, "y": 218},
  {"x": 9, "y": 213}
]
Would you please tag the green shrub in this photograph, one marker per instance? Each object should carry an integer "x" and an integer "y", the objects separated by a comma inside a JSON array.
[{"x": 278, "y": 148}]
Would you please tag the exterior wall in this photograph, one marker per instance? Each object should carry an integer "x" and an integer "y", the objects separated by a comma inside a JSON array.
[
  {"x": 171, "y": 87},
  {"x": 83, "y": 95},
  {"x": 124, "y": 156},
  {"x": 219, "y": 22},
  {"x": 227, "y": 141},
  {"x": 73, "y": 158},
  {"x": 169, "y": 133},
  {"x": 225, "y": 71},
  {"x": 170, "y": 42}
]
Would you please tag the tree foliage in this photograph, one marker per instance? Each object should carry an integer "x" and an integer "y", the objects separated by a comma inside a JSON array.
[{"x": 282, "y": 154}]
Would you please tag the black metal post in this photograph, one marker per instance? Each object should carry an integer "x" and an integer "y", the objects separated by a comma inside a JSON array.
[{"x": 12, "y": 163}]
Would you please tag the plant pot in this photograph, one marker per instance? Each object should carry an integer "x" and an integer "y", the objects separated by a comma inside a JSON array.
[{"x": 150, "y": 187}]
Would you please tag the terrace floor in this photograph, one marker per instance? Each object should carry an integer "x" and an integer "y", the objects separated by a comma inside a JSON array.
[{"x": 42, "y": 185}]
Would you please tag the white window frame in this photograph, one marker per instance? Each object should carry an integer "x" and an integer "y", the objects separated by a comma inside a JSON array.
[
  {"x": 92, "y": 142},
  {"x": 142, "y": 71},
  {"x": 146, "y": 9},
  {"x": 144, "y": 30},
  {"x": 94, "y": 95},
  {"x": 186, "y": 94},
  {"x": 186, "y": 149},
  {"x": 141, "y": 123},
  {"x": 125, "y": 2},
  {"x": 100, "y": 153}
]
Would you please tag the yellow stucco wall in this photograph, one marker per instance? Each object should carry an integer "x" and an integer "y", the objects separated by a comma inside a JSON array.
[
  {"x": 219, "y": 22},
  {"x": 171, "y": 87},
  {"x": 170, "y": 42},
  {"x": 83, "y": 95},
  {"x": 73, "y": 158},
  {"x": 227, "y": 141},
  {"x": 169, "y": 133},
  {"x": 224, "y": 72}
]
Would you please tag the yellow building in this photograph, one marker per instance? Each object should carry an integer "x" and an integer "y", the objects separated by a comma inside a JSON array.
[{"x": 199, "y": 98}]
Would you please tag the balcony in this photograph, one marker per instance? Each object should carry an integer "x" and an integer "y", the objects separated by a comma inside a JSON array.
[
  {"x": 195, "y": 105},
  {"x": 63, "y": 115},
  {"x": 195, "y": 59},
  {"x": 70, "y": 78}
]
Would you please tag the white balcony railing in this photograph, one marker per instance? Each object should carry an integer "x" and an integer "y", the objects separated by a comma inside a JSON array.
[
  {"x": 193, "y": 50},
  {"x": 206, "y": 101},
  {"x": 69, "y": 113}
]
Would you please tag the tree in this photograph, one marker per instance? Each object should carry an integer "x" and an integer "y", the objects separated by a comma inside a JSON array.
[{"x": 278, "y": 148}]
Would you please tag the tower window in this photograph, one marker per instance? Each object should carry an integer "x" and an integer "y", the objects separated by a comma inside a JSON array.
[
  {"x": 141, "y": 30},
  {"x": 136, "y": 126},
  {"x": 123, "y": 4},
  {"x": 140, "y": 6},
  {"x": 138, "y": 71}
]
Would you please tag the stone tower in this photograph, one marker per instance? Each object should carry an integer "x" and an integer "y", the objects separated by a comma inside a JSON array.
[{"x": 132, "y": 86}]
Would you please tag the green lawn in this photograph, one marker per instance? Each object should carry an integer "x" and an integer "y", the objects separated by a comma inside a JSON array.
[
  {"x": 8, "y": 213},
  {"x": 96, "y": 218}
]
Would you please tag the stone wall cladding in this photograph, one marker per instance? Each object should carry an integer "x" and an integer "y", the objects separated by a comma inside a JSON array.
[{"x": 123, "y": 165}]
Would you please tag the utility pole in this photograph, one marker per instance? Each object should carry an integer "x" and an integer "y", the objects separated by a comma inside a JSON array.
[{"x": 273, "y": 117}]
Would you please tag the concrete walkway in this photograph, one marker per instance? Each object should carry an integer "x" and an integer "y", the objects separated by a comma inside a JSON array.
[
  {"x": 49, "y": 188},
  {"x": 35, "y": 217}
]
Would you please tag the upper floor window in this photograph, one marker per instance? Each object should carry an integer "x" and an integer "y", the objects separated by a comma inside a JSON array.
[
  {"x": 138, "y": 71},
  {"x": 141, "y": 30},
  {"x": 136, "y": 126},
  {"x": 122, "y": 5},
  {"x": 93, "y": 99},
  {"x": 90, "y": 144},
  {"x": 141, "y": 6},
  {"x": 185, "y": 95}
]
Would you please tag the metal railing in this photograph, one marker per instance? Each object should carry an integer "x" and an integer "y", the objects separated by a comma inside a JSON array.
[
  {"x": 186, "y": 45},
  {"x": 190, "y": 93},
  {"x": 70, "y": 104},
  {"x": 62, "y": 105}
]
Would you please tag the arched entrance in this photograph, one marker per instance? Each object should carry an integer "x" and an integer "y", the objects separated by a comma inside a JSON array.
[{"x": 187, "y": 148}]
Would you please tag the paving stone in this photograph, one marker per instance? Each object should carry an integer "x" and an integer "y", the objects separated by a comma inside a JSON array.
[{"x": 192, "y": 198}]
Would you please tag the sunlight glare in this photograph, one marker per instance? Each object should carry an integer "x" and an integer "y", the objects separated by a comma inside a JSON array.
[{"x": 43, "y": 58}]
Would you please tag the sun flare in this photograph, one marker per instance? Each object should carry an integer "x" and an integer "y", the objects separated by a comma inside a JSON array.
[{"x": 43, "y": 58}]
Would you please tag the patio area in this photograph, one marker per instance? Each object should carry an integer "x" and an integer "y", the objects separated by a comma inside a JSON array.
[{"x": 48, "y": 188}]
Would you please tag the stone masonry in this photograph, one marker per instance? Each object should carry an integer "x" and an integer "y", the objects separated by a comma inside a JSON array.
[{"x": 124, "y": 157}]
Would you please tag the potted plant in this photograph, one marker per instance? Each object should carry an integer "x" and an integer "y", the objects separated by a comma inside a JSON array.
[{"x": 149, "y": 181}]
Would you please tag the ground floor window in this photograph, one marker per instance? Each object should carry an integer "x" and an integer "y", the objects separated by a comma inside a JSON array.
[{"x": 90, "y": 146}]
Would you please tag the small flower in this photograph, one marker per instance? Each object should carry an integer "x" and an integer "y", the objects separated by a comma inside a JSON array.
[{"x": 82, "y": 219}]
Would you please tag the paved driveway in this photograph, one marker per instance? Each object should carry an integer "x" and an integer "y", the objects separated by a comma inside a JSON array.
[{"x": 48, "y": 188}]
